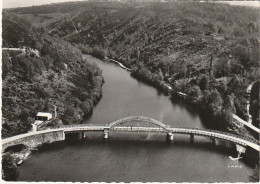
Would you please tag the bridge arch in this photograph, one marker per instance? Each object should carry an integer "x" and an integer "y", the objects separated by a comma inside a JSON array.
[
  {"x": 137, "y": 119},
  {"x": 14, "y": 148},
  {"x": 32, "y": 139}
]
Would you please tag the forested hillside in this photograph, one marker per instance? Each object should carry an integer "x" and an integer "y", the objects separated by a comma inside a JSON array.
[
  {"x": 209, "y": 51},
  {"x": 255, "y": 105},
  {"x": 51, "y": 72}
]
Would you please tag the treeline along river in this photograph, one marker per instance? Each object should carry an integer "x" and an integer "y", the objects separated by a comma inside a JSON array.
[{"x": 126, "y": 157}]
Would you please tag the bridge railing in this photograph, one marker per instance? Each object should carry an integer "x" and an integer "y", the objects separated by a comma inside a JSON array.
[
  {"x": 81, "y": 125},
  {"x": 136, "y": 128},
  {"x": 167, "y": 127},
  {"x": 224, "y": 133}
]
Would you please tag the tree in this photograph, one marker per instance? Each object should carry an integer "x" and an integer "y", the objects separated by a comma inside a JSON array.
[
  {"x": 222, "y": 67},
  {"x": 254, "y": 104},
  {"x": 9, "y": 167},
  {"x": 24, "y": 115},
  {"x": 234, "y": 84},
  {"x": 6, "y": 64},
  {"x": 204, "y": 83},
  {"x": 195, "y": 92},
  {"x": 222, "y": 87},
  {"x": 68, "y": 116},
  {"x": 228, "y": 109},
  {"x": 212, "y": 101}
]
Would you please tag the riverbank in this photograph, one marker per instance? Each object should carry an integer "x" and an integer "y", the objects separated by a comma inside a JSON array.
[
  {"x": 11, "y": 161},
  {"x": 176, "y": 54},
  {"x": 120, "y": 64},
  {"x": 218, "y": 106},
  {"x": 35, "y": 83},
  {"x": 231, "y": 126},
  {"x": 220, "y": 98}
]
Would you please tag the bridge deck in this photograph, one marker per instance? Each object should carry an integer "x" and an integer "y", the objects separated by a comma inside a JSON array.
[{"x": 201, "y": 132}]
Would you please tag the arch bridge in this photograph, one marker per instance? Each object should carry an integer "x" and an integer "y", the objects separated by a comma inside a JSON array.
[{"x": 128, "y": 124}]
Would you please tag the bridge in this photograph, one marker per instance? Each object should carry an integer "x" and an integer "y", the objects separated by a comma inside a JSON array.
[
  {"x": 243, "y": 122},
  {"x": 129, "y": 124}
]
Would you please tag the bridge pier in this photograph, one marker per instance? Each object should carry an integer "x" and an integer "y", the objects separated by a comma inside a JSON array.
[
  {"x": 79, "y": 135},
  {"x": 229, "y": 144},
  {"x": 84, "y": 134},
  {"x": 213, "y": 140},
  {"x": 105, "y": 134},
  {"x": 191, "y": 138},
  {"x": 240, "y": 149},
  {"x": 170, "y": 136},
  {"x": 63, "y": 136}
]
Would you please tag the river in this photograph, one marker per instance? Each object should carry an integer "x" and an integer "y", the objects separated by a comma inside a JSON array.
[{"x": 144, "y": 157}]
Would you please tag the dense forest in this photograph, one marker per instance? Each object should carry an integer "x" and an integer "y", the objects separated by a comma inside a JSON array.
[
  {"x": 208, "y": 51},
  {"x": 254, "y": 101},
  {"x": 51, "y": 72}
]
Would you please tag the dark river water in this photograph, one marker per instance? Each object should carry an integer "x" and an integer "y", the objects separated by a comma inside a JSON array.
[{"x": 144, "y": 157}]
